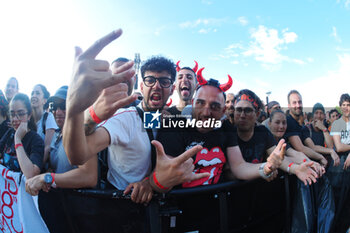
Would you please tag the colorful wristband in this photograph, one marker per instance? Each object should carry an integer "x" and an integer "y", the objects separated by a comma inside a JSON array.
[
  {"x": 93, "y": 115},
  {"x": 18, "y": 145},
  {"x": 157, "y": 182},
  {"x": 53, "y": 177},
  {"x": 288, "y": 168}
]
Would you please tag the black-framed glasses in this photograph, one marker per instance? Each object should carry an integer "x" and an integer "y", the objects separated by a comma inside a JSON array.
[
  {"x": 164, "y": 82},
  {"x": 54, "y": 106},
  {"x": 19, "y": 115},
  {"x": 247, "y": 110}
]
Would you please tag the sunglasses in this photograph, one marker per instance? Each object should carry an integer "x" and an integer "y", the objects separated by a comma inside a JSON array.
[{"x": 54, "y": 106}]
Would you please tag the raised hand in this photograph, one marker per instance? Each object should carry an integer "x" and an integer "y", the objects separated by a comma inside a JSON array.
[
  {"x": 275, "y": 159},
  {"x": 21, "y": 131},
  {"x": 319, "y": 124},
  {"x": 91, "y": 76},
  {"x": 171, "y": 171}
]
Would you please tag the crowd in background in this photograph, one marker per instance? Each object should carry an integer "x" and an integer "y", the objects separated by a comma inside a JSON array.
[{"x": 54, "y": 139}]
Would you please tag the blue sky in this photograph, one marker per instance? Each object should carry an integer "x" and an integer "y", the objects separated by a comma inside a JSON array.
[{"x": 264, "y": 45}]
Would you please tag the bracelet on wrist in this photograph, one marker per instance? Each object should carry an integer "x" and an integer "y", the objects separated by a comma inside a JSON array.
[
  {"x": 93, "y": 115},
  {"x": 157, "y": 182},
  {"x": 289, "y": 167},
  {"x": 262, "y": 173},
  {"x": 18, "y": 145}
]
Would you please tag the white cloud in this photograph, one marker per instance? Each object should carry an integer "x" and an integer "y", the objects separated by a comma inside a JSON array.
[
  {"x": 335, "y": 34},
  {"x": 242, "y": 20},
  {"x": 203, "y": 23},
  {"x": 345, "y": 2},
  {"x": 203, "y": 31},
  {"x": 235, "y": 62},
  {"x": 310, "y": 59},
  {"x": 267, "y": 45},
  {"x": 333, "y": 82}
]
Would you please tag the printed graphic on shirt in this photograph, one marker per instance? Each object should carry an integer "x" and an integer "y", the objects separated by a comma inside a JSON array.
[{"x": 211, "y": 161}]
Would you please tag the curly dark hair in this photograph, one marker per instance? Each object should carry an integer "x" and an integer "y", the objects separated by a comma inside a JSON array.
[{"x": 159, "y": 64}]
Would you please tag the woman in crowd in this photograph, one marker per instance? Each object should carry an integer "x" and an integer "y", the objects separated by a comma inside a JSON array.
[
  {"x": 45, "y": 122},
  {"x": 22, "y": 149},
  {"x": 278, "y": 127}
]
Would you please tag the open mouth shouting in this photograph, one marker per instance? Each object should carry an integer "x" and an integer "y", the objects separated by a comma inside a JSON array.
[
  {"x": 185, "y": 91},
  {"x": 156, "y": 99}
]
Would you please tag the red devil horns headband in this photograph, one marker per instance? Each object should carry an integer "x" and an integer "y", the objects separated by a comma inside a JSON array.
[
  {"x": 195, "y": 68},
  {"x": 170, "y": 102},
  {"x": 212, "y": 82}
]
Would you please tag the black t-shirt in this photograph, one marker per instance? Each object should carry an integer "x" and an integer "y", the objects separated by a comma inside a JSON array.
[
  {"x": 294, "y": 129},
  {"x": 213, "y": 155},
  {"x": 33, "y": 146},
  {"x": 174, "y": 111},
  {"x": 316, "y": 136},
  {"x": 254, "y": 150}
]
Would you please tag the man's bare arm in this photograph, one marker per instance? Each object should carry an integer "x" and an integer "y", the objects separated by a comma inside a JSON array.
[
  {"x": 89, "y": 78},
  {"x": 299, "y": 146}
]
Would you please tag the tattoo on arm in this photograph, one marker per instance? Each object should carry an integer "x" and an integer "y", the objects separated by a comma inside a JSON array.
[{"x": 89, "y": 125}]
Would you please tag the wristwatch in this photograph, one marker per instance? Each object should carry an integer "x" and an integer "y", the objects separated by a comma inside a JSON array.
[
  {"x": 262, "y": 173},
  {"x": 48, "y": 178}
]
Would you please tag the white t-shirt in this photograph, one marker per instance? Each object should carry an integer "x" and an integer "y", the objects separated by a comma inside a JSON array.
[
  {"x": 341, "y": 128},
  {"x": 129, "y": 153},
  {"x": 50, "y": 124}
]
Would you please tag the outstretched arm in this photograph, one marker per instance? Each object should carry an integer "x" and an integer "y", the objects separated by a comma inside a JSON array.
[
  {"x": 323, "y": 150},
  {"x": 85, "y": 176},
  {"x": 247, "y": 171},
  {"x": 298, "y": 145},
  {"x": 90, "y": 77}
]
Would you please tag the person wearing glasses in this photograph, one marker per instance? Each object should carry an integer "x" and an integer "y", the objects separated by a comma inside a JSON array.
[
  {"x": 22, "y": 149},
  {"x": 45, "y": 121},
  {"x": 220, "y": 148},
  {"x": 61, "y": 174},
  {"x": 256, "y": 141},
  {"x": 122, "y": 129}
]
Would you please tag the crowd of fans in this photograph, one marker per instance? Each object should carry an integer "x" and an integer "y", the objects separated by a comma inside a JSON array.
[{"x": 54, "y": 140}]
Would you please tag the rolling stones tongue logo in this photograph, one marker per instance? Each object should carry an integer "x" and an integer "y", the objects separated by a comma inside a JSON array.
[{"x": 208, "y": 161}]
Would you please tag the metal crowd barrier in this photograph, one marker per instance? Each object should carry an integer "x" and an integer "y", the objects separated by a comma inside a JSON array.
[{"x": 161, "y": 211}]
